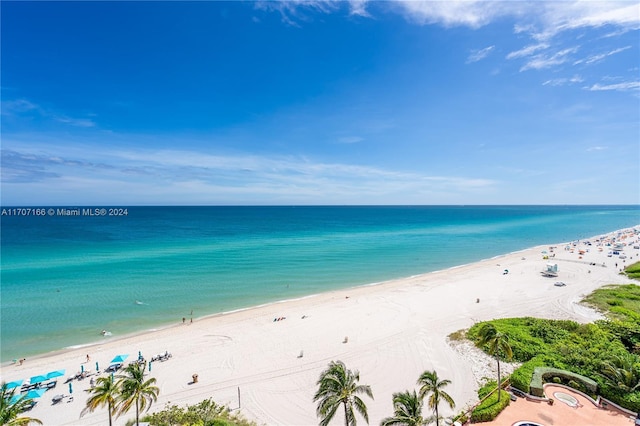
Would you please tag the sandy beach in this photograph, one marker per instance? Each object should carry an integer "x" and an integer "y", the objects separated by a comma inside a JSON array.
[{"x": 390, "y": 332}]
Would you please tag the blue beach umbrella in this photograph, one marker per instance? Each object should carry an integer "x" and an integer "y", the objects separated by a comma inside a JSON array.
[
  {"x": 149, "y": 365},
  {"x": 97, "y": 367},
  {"x": 35, "y": 393},
  {"x": 56, "y": 373},
  {"x": 15, "y": 398},
  {"x": 70, "y": 388},
  {"x": 14, "y": 384},
  {"x": 38, "y": 379},
  {"x": 120, "y": 358},
  {"x": 82, "y": 368}
]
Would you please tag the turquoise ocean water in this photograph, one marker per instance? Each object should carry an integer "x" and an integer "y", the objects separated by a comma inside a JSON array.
[{"x": 66, "y": 278}]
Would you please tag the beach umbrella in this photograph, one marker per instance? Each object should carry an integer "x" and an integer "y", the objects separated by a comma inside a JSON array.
[
  {"x": 97, "y": 367},
  {"x": 120, "y": 358},
  {"x": 82, "y": 368},
  {"x": 35, "y": 393},
  {"x": 15, "y": 398},
  {"x": 70, "y": 387},
  {"x": 14, "y": 384},
  {"x": 56, "y": 373},
  {"x": 38, "y": 379},
  {"x": 149, "y": 365}
]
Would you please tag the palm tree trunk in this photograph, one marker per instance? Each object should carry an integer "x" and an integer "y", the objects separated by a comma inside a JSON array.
[
  {"x": 437, "y": 418},
  {"x": 109, "y": 406},
  {"x": 137, "y": 414},
  {"x": 499, "y": 383},
  {"x": 346, "y": 414}
]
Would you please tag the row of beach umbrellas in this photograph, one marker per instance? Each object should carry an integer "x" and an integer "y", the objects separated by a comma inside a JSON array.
[
  {"x": 37, "y": 379},
  {"x": 37, "y": 393}
]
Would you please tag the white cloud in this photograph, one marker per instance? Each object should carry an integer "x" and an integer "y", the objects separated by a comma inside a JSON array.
[
  {"x": 210, "y": 177},
  {"x": 350, "y": 139},
  {"x": 478, "y": 55},
  {"x": 24, "y": 107},
  {"x": 626, "y": 86},
  {"x": 563, "y": 81},
  {"x": 527, "y": 51},
  {"x": 541, "y": 61},
  {"x": 597, "y": 58}
]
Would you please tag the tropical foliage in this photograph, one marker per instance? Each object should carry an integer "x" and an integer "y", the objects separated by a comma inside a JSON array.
[
  {"x": 11, "y": 408},
  {"x": 338, "y": 386},
  {"x": 490, "y": 407},
  {"x": 104, "y": 393},
  {"x": 135, "y": 390},
  {"x": 205, "y": 413},
  {"x": 496, "y": 344},
  {"x": 433, "y": 388},
  {"x": 407, "y": 410},
  {"x": 605, "y": 351}
]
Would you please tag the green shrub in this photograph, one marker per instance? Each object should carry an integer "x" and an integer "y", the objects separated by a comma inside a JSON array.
[
  {"x": 490, "y": 407},
  {"x": 521, "y": 377},
  {"x": 487, "y": 388},
  {"x": 557, "y": 380}
]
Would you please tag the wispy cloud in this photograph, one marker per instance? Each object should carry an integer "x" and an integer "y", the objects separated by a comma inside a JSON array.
[
  {"x": 296, "y": 178},
  {"x": 563, "y": 81},
  {"x": 350, "y": 139},
  {"x": 478, "y": 55},
  {"x": 24, "y": 107},
  {"x": 542, "y": 61},
  {"x": 623, "y": 87},
  {"x": 527, "y": 51},
  {"x": 599, "y": 57}
]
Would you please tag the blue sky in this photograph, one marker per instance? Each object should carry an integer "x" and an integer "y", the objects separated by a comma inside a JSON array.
[{"x": 320, "y": 102}]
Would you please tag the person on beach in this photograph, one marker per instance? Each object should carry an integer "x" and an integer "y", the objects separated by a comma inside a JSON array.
[{"x": 88, "y": 358}]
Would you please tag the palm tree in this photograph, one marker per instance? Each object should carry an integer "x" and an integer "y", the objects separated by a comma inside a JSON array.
[
  {"x": 407, "y": 408},
  {"x": 431, "y": 385},
  {"x": 498, "y": 343},
  {"x": 105, "y": 392},
  {"x": 339, "y": 385},
  {"x": 10, "y": 408},
  {"x": 622, "y": 373},
  {"x": 134, "y": 389}
]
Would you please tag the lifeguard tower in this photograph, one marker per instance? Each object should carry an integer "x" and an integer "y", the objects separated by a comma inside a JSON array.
[{"x": 551, "y": 270}]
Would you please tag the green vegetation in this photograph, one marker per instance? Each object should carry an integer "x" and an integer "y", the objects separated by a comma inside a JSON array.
[
  {"x": 621, "y": 302},
  {"x": 633, "y": 271},
  {"x": 433, "y": 387},
  {"x": 492, "y": 406},
  {"x": 407, "y": 410},
  {"x": 11, "y": 408},
  {"x": 205, "y": 413},
  {"x": 606, "y": 351},
  {"x": 120, "y": 396},
  {"x": 338, "y": 386},
  {"x": 496, "y": 344}
]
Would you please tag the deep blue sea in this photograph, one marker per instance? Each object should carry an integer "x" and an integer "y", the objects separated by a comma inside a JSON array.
[{"x": 66, "y": 278}]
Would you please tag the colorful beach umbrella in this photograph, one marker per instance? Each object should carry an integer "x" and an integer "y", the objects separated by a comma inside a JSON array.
[
  {"x": 97, "y": 367},
  {"x": 70, "y": 388},
  {"x": 120, "y": 358},
  {"x": 14, "y": 384},
  {"x": 56, "y": 373},
  {"x": 38, "y": 379},
  {"x": 35, "y": 393},
  {"x": 82, "y": 368}
]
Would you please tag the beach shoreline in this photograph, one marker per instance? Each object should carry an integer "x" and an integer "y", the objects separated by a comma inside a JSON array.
[{"x": 391, "y": 331}]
